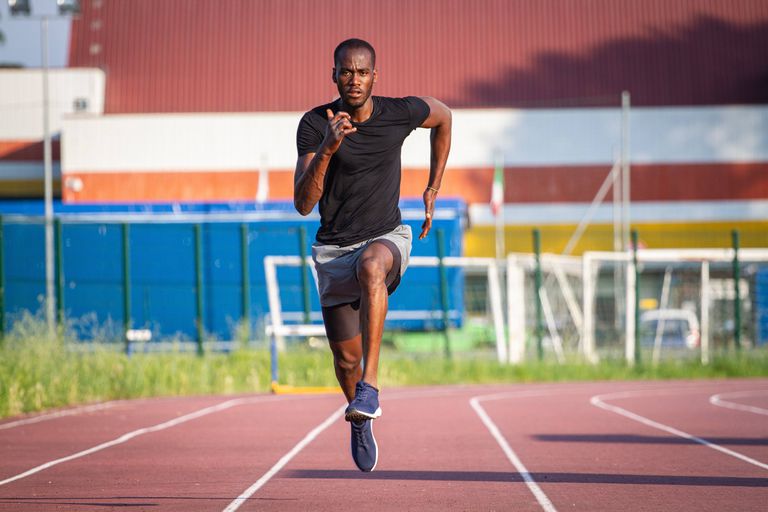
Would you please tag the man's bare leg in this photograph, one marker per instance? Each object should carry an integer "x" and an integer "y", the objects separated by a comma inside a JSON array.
[
  {"x": 347, "y": 358},
  {"x": 372, "y": 269}
]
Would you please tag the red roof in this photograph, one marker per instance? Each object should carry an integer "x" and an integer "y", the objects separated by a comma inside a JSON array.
[{"x": 276, "y": 55}]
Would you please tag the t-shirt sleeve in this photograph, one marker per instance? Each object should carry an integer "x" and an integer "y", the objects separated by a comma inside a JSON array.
[
  {"x": 308, "y": 137},
  {"x": 418, "y": 111}
]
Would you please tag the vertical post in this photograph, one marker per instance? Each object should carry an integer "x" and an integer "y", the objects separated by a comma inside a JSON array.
[
  {"x": 199, "y": 288},
  {"x": 246, "y": 279},
  {"x": 494, "y": 295},
  {"x": 704, "y": 334},
  {"x": 60, "y": 282},
  {"x": 2, "y": 282},
  {"x": 126, "y": 285},
  {"x": 736, "y": 290},
  {"x": 273, "y": 362},
  {"x": 625, "y": 169},
  {"x": 50, "y": 310},
  {"x": 304, "y": 277},
  {"x": 636, "y": 301},
  {"x": 588, "y": 325},
  {"x": 497, "y": 198},
  {"x": 443, "y": 290},
  {"x": 515, "y": 310},
  {"x": 537, "y": 286}
]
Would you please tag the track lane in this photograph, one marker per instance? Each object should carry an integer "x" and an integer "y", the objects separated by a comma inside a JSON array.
[
  {"x": 30, "y": 445},
  {"x": 743, "y": 433},
  {"x": 436, "y": 455},
  {"x": 199, "y": 465},
  {"x": 589, "y": 459},
  {"x": 424, "y": 444}
]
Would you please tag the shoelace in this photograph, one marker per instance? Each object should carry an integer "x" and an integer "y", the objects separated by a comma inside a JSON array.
[
  {"x": 362, "y": 393},
  {"x": 359, "y": 437}
]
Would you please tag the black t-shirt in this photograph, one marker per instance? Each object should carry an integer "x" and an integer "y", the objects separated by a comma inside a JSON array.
[{"x": 362, "y": 183}]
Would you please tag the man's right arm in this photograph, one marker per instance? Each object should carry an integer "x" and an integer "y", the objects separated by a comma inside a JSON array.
[{"x": 309, "y": 178}]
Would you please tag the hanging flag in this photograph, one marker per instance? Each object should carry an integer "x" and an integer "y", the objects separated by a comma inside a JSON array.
[{"x": 497, "y": 192}]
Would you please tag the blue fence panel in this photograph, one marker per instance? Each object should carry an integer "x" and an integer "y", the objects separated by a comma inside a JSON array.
[
  {"x": 93, "y": 278},
  {"x": 761, "y": 315},
  {"x": 163, "y": 266},
  {"x": 222, "y": 278},
  {"x": 24, "y": 246},
  {"x": 163, "y": 279}
]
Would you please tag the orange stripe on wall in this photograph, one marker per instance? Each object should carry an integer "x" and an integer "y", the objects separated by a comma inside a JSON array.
[
  {"x": 163, "y": 187},
  {"x": 26, "y": 150},
  {"x": 687, "y": 182},
  {"x": 658, "y": 182}
]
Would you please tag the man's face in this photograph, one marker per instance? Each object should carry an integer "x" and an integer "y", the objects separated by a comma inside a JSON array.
[{"x": 354, "y": 76}]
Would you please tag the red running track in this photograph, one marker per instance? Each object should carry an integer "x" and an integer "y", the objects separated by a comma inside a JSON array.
[{"x": 682, "y": 445}]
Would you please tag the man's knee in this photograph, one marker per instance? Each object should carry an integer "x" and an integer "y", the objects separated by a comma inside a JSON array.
[
  {"x": 346, "y": 360},
  {"x": 371, "y": 270},
  {"x": 374, "y": 265}
]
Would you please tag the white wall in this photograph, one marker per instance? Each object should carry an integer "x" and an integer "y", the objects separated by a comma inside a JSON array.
[
  {"x": 207, "y": 142},
  {"x": 21, "y": 99}
]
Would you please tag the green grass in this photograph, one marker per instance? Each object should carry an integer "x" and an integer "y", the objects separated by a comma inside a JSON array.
[{"x": 37, "y": 373}]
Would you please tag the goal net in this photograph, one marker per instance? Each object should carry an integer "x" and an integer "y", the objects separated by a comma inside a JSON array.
[
  {"x": 677, "y": 303},
  {"x": 450, "y": 305}
]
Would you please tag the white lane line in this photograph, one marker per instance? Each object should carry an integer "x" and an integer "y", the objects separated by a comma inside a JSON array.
[
  {"x": 58, "y": 414},
  {"x": 542, "y": 498},
  {"x": 285, "y": 459},
  {"x": 720, "y": 401},
  {"x": 598, "y": 401},
  {"x": 136, "y": 433}
]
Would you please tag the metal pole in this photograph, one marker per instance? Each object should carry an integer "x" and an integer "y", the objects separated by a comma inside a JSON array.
[
  {"x": 199, "y": 288},
  {"x": 537, "y": 286},
  {"x": 246, "y": 279},
  {"x": 636, "y": 305},
  {"x": 443, "y": 291},
  {"x": 304, "y": 278},
  {"x": 60, "y": 283},
  {"x": 625, "y": 170},
  {"x": 705, "y": 312},
  {"x": 736, "y": 294},
  {"x": 127, "y": 321},
  {"x": 48, "y": 184}
]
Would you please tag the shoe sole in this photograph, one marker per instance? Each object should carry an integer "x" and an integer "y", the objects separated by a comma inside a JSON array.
[
  {"x": 356, "y": 415},
  {"x": 376, "y": 461}
]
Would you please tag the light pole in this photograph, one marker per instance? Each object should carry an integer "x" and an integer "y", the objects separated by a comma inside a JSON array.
[{"x": 65, "y": 8}]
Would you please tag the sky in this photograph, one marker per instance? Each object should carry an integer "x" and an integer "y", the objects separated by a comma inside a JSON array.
[{"x": 22, "y": 36}]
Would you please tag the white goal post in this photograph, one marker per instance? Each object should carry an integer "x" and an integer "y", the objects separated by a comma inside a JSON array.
[
  {"x": 277, "y": 329},
  {"x": 703, "y": 258},
  {"x": 577, "y": 317}
]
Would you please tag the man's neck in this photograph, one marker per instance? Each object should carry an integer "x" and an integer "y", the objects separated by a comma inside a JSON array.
[{"x": 359, "y": 114}]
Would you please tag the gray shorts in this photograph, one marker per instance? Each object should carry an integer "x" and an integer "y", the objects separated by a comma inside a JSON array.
[{"x": 337, "y": 266}]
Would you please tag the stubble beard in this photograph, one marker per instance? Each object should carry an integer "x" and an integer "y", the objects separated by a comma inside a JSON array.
[{"x": 355, "y": 103}]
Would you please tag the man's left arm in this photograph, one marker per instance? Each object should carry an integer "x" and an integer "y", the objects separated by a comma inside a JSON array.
[{"x": 439, "y": 121}]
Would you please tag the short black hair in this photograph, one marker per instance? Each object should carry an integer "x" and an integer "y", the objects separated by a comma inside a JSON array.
[{"x": 354, "y": 44}]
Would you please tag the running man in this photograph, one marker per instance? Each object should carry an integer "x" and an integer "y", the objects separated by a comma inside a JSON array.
[{"x": 349, "y": 162}]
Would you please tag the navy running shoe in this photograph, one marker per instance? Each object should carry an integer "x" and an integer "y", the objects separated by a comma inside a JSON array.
[
  {"x": 365, "y": 406},
  {"x": 365, "y": 451}
]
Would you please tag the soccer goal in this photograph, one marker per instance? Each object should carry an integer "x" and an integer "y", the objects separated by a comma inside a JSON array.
[
  {"x": 682, "y": 303},
  {"x": 544, "y": 309},
  {"x": 440, "y": 297}
]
